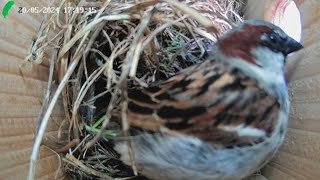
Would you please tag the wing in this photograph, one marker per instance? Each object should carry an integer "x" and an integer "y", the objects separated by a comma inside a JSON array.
[{"x": 211, "y": 101}]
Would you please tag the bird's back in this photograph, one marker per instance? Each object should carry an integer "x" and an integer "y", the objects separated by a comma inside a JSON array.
[{"x": 210, "y": 121}]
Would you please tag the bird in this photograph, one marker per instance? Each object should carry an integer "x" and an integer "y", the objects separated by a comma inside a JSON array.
[{"x": 221, "y": 119}]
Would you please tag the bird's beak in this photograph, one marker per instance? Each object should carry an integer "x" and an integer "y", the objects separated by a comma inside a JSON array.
[{"x": 291, "y": 45}]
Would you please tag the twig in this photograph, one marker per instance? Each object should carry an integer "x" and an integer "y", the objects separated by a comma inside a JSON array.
[
  {"x": 89, "y": 27},
  {"x": 75, "y": 162},
  {"x": 45, "y": 120},
  {"x": 207, "y": 23},
  {"x": 158, "y": 30},
  {"x": 65, "y": 148},
  {"x": 85, "y": 87},
  {"x": 60, "y": 163},
  {"x": 38, "y": 138},
  {"x": 80, "y": 144},
  {"x": 125, "y": 71},
  {"x": 47, "y": 95}
]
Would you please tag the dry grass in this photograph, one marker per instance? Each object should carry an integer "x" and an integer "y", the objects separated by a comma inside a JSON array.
[{"x": 101, "y": 54}]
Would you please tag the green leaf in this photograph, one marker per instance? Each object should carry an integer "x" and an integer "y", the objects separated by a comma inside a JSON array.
[
  {"x": 6, "y": 8},
  {"x": 100, "y": 120},
  {"x": 105, "y": 132}
]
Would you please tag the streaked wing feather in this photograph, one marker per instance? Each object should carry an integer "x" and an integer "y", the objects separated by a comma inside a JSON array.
[{"x": 212, "y": 101}]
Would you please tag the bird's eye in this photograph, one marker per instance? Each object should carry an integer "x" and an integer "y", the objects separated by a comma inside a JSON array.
[
  {"x": 279, "y": 42},
  {"x": 273, "y": 38}
]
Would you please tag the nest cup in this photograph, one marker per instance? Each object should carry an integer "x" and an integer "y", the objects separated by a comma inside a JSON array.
[{"x": 39, "y": 49}]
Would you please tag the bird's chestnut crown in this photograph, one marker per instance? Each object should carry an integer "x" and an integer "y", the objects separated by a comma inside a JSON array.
[{"x": 240, "y": 41}]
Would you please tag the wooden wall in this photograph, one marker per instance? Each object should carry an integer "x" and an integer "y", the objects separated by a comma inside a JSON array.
[{"x": 21, "y": 93}]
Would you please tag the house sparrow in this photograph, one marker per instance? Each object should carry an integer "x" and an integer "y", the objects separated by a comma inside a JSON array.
[{"x": 221, "y": 119}]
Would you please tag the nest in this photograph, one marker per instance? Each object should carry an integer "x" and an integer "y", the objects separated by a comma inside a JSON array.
[{"x": 100, "y": 49}]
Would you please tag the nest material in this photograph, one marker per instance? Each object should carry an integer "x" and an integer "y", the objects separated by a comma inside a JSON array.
[{"x": 107, "y": 49}]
